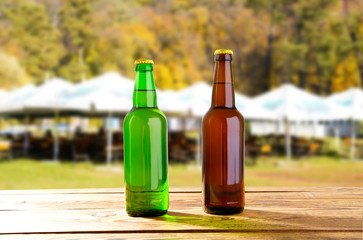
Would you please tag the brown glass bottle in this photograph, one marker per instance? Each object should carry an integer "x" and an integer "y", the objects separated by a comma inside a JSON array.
[{"x": 223, "y": 144}]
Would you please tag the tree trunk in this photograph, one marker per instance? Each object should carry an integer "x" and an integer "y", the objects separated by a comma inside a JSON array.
[
  {"x": 358, "y": 55},
  {"x": 353, "y": 38},
  {"x": 361, "y": 72},
  {"x": 46, "y": 76},
  {"x": 270, "y": 45},
  {"x": 81, "y": 63},
  {"x": 301, "y": 72}
]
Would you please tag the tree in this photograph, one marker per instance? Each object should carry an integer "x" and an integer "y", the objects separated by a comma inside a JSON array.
[
  {"x": 276, "y": 12},
  {"x": 306, "y": 47},
  {"x": 38, "y": 39},
  {"x": 11, "y": 73},
  {"x": 75, "y": 25},
  {"x": 316, "y": 44},
  {"x": 354, "y": 22}
]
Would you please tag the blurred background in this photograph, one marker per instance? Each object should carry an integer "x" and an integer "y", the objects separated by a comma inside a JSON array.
[{"x": 66, "y": 82}]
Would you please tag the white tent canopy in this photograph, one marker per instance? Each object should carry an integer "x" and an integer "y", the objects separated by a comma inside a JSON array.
[
  {"x": 250, "y": 110},
  {"x": 29, "y": 99},
  {"x": 291, "y": 103},
  {"x": 110, "y": 81},
  {"x": 198, "y": 100},
  {"x": 3, "y": 94},
  {"x": 352, "y": 102},
  {"x": 109, "y": 93},
  {"x": 100, "y": 100},
  {"x": 112, "y": 92},
  {"x": 168, "y": 102},
  {"x": 50, "y": 95},
  {"x": 14, "y": 100}
]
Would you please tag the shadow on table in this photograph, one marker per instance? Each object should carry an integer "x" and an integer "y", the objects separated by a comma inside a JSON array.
[
  {"x": 266, "y": 222},
  {"x": 249, "y": 219}
]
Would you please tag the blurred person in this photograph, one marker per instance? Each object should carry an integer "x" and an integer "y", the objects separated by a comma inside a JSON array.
[
  {"x": 48, "y": 136},
  {"x": 26, "y": 142},
  {"x": 78, "y": 132},
  {"x": 101, "y": 133}
]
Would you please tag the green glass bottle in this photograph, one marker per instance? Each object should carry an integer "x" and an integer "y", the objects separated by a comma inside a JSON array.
[{"x": 145, "y": 149}]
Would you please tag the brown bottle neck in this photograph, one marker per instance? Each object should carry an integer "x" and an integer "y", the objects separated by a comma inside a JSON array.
[{"x": 223, "y": 90}]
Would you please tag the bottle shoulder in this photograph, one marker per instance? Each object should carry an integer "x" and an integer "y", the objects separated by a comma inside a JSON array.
[
  {"x": 145, "y": 113},
  {"x": 223, "y": 113}
]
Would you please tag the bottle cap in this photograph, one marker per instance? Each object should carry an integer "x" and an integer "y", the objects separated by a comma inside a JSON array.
[
  {"x": 140, "y": 61},
  {"x": 223, "y": 51}
]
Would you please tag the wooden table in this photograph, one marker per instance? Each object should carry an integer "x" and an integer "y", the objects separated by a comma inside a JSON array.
[{"x": 271, "y": 213}]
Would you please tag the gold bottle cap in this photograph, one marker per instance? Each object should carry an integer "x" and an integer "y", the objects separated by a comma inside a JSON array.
[
  {"x": 140, "y": 61},
  {"x": 223, "y": 51}
]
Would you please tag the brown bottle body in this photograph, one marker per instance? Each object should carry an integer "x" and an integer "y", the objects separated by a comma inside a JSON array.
[{"x": 223, "y": 146}]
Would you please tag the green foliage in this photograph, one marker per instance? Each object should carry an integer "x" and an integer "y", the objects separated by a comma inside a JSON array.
[
  {"x": 317, "y": 44},
  {"x": 11, "y": 73},
  {"x": 30, "y": 31},
  {"x": 75, "y": 25}
]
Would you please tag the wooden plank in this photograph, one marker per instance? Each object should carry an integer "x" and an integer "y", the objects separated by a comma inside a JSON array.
[
  {"x": 109, "y": 221},
  {"x": 193, "y": 235},
  {"x": 337, "y": 199},
  {"x": 86, "y": 191},
  {"x": 289, "y": 210}
]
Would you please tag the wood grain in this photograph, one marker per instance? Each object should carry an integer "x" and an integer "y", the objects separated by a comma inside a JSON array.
[{"x": 271, "y": 213}]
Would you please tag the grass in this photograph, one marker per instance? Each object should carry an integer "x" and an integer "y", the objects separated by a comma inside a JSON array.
[{"x": 317, "y": 171}]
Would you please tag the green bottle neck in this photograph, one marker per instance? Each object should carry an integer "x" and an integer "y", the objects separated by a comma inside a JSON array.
[{"x": 144, "y": 92}]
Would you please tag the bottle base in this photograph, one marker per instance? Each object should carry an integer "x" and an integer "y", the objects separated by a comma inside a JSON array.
[
  {"x": 223, "y": 210},
  {"x": 146, "y": 213},
  {"x": 147, "y": 203}
]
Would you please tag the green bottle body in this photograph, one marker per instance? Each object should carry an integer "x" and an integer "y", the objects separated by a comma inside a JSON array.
[{"x": 145, "y": 151}]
